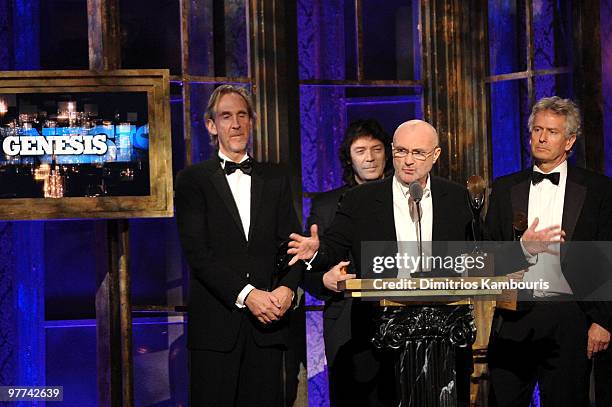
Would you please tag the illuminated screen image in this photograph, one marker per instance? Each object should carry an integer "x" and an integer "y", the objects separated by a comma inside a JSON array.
[{"x": 81, "y": 144}]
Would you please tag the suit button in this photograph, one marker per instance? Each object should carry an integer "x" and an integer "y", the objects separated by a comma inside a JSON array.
[{"x": 248, "y": 275}]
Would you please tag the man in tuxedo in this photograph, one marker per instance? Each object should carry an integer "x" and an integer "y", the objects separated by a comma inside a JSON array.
[
  {"x": 365, "y": 155},
  {"x": 381, "y": 211},
  {"x": 550, "y": 339},
  {"x": 232, "y": 215}
]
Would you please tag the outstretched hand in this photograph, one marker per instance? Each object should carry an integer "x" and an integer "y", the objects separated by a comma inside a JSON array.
[
  {"x": 540, "y": 241},
  {"x": 303, "y": 248}
]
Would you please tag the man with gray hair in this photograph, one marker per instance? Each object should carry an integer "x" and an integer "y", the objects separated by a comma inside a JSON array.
[
  {"x": 551, "y": 337},
  {"x": 232, "y": 215}
]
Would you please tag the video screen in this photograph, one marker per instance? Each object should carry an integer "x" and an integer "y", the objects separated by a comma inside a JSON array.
[{"x": 81, "y": 144}]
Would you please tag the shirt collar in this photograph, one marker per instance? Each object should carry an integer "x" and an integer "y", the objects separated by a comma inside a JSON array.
[
  {"x": 406, "y": 192},
  {"x": 561, "y": 169},
  {"x": 224, "y": 158}
]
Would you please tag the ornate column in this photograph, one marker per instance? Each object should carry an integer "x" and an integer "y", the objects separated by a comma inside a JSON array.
[{"x": 426, "y": 338}]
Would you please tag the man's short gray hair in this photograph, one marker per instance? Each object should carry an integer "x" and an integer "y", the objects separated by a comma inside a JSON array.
[{"x": 561, "y": 107}]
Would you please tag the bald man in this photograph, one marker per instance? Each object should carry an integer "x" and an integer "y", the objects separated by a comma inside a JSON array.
[{"x": 380, "y": 211}]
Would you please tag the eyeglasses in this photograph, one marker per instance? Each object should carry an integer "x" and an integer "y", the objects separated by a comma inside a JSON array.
[{"x": 416, "y": 154}]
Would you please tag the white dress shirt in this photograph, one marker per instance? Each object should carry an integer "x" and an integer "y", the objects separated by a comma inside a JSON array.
[
  {"x": 546, "y": 203},
  {"x": 240, "y": 185},
  {"x": 406, "y": 225}
]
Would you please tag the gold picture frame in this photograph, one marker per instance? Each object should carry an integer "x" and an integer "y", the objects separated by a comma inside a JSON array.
[{"x": 159, "y": 200}]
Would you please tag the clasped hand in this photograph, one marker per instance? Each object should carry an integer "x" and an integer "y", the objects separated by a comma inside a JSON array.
[{"x": 269, "y": 306}]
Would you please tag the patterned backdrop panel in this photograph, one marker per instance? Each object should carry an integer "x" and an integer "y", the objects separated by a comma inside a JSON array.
[
  {"x": 8, "y": 322},
  {"x": 321, "y": 53}
]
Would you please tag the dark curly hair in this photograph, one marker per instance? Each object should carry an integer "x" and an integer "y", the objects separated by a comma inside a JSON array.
[{"x": 355, "y": 130}]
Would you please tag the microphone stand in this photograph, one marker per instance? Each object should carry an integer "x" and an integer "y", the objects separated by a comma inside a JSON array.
[
  {"x": 419, "y": 235},
  {"x": 416, "y": 193}
]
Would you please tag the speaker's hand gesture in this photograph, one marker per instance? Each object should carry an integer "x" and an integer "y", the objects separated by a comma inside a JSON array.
[
  {"x": 303, "y": 248},
  {"x": 539, "y": 241}
]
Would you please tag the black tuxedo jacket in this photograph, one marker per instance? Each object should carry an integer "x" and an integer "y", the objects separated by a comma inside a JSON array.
[
  {"x": 222, "y": 261},
  {"x": 587, "y": 216},
  {"x": 337, "y": 311},
  {"x": 366, "y": 214},
  {"x": 322, "y": 212}
]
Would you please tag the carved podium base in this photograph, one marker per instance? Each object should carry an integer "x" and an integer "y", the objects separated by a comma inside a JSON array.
[{"x": 426, "y": 337}]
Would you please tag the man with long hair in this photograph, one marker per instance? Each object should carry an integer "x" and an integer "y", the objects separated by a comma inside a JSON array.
[{"x": 365, "y": 156}]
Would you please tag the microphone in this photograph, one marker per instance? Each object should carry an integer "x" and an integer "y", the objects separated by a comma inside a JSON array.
[{"x": 416, "y": 193}]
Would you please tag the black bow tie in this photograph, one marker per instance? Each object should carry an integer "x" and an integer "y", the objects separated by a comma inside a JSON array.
[
  {"x": 537, "y": 177},
  {"x": 246, "y": 166}
]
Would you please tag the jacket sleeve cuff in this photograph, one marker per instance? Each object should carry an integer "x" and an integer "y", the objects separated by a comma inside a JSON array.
[
  {"x": 243, "y": 294},
  {"x": 532, "y": 259}
]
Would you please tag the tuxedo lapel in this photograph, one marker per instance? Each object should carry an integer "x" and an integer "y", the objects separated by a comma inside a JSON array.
[
  {"x": 575, "y": 193},
  {"x": 382, "y": 228},
  {"x": 257, "y": 183},
  {"x": 519, "y": 195},
  {"x": 385, "y": 218},
  {"x": 219, "y": 181},
  {"x": 440, "y": 211}
]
